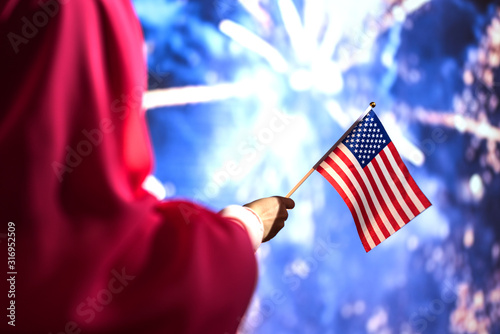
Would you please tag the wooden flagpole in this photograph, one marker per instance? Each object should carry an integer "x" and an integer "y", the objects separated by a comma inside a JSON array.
[{"x": 372, "y": 105}]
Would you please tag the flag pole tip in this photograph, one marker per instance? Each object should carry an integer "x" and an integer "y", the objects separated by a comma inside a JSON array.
[{"x": 372, "y": 104}]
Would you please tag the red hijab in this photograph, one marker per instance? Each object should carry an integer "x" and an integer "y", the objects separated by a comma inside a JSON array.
[{"x": 93, "y": 250}]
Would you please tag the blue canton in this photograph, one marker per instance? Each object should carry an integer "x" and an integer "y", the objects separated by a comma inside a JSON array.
[{"x": 367, "y": 139}]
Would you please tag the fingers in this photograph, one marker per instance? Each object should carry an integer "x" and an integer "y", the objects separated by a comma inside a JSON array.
[
  {"x": 287, "y": 202},
  {"x": 281, "y": 215},
  {"x": 273, "y": 212},
  {"x": 284, "y": 215}
]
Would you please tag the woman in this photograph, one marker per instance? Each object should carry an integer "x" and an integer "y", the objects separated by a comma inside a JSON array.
[{"x": 91, "y": 251}]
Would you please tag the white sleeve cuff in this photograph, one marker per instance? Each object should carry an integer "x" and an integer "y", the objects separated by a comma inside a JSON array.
[{"x": 249, "y": 220}]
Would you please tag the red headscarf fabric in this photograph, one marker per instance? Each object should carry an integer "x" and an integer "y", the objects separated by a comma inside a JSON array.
[{"x": 94, "y": 252}]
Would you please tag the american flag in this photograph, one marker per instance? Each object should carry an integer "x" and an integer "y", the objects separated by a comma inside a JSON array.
[{"x": 366, "y": 170}]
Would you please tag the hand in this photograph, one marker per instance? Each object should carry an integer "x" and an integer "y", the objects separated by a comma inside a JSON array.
[{"x": 273, "y": 213}]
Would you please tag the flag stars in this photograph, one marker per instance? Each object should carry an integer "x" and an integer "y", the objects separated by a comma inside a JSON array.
[{"x": 365, "y": 145}]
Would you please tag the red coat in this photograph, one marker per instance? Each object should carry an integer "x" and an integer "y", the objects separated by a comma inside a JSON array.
[{"x": 93, "y": 251}]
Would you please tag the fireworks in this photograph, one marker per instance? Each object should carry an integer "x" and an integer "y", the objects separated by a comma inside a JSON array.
[{"x": 317, "y": 61}]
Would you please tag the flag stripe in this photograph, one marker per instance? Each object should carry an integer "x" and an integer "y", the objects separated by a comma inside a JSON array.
[
  {"x": 394, "y": 219},
  {"x": 351, "y": 190},
  {"x": 374, "y": 194},
  {"x": 397, "y": 181},
  {"x": 397, "y": 159},
  {"x": 400, "y": 197},
  {"x": 389, "y": 192},
  {"x": 332, "y": 177},
  {"x": 403, "y": 179},
  {"x": 347, "y": 201},
  {"x": 358, "y": 193},
  {"x": 349, "y": 160}
]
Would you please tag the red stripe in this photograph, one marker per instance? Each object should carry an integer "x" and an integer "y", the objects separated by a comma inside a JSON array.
[
  {"x": 381, "y": 200},
  {"x": 365, "y": 191},
  {"x": 389, "y": 192},
  {"x": 354, "y": 192},
  {"x": 404, "y": 193},
  {"x": 425, "y": 202},
  {"x": 339, "y": 189}
]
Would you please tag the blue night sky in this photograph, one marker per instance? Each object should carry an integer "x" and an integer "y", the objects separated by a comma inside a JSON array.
[{"x": 263, "y": 88}]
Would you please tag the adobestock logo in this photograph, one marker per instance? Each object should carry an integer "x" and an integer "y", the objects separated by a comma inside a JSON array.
[
  {"x": 304, "y": 267},
  {"x": 74, "y": 156},
  {"x": 95, "y": 304},
  {"x": 421, "y": 319},
  {"x": 31, "y": 26},
  {"x": 247, "y": 154},
  {"x": 104, "y": 297}
]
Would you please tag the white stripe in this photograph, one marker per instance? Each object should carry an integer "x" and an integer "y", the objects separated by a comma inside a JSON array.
[
  {"x": 392, "y": 185},
  {"x": 404, "y": 182},
  {"x": 373, "y": 197},
  {"x": 336, "y": 159},
  {"x": 354, "y": 203},
  {"x": 386, "y": 198}
]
